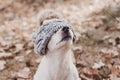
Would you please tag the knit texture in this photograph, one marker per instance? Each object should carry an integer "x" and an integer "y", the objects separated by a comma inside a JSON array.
[{"x": 42, "y": 35}]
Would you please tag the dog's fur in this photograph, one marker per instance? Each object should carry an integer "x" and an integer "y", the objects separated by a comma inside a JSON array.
[{"x": 57, "y": 64}]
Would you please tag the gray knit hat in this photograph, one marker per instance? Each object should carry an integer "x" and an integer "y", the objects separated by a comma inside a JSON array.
[{"x": 43, "y": 34}]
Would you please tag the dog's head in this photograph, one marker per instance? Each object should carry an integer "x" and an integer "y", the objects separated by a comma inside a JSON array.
[
  {"x": 61, "y": 40},
  {"x": 54, "y": 34}
]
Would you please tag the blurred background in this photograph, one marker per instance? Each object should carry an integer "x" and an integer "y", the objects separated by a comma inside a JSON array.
[{"x": 97, "y": 26}]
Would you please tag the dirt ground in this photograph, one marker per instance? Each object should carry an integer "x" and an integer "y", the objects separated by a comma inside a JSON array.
[{"x": 97, "y": 26}]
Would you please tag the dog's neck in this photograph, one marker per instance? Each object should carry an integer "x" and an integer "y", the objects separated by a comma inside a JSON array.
[{"x": 61, "y": 57}]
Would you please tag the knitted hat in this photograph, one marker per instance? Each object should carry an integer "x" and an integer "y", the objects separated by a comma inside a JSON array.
[{"x": 43, "y": 34}]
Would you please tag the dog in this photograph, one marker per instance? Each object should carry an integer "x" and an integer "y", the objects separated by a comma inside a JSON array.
[{"x": 57, "y": 61}]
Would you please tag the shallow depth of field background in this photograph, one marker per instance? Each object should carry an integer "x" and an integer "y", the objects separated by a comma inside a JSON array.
[{"x": 97, "y": 27}]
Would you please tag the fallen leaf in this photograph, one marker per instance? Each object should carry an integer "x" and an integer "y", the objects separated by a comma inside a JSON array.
[
  {"x": 2, "y": 64},
  {"x": 19, "y": 58},
  {"x": 114, "y": 77},
  {"x": 23, "y": 73},
  {"x": 19, "y": 46},
  {"x": 5, "y": 55},
  {"x": 104, "y": 71},
  {"x": 112, "y": 51},
  {"x": 98, "y": 65}
]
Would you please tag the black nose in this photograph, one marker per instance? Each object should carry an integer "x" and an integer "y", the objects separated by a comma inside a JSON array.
[{"x": 65, "y": 29}]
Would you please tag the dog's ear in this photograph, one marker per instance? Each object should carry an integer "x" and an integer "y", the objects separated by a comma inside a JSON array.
[
  {"x": 74, "y": 38},
  {"x": 74, "y": 35},
  {"x": 44, "y": 51}
]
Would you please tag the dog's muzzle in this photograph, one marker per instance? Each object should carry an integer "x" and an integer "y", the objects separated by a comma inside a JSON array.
[{"x": 66, "y": 34}]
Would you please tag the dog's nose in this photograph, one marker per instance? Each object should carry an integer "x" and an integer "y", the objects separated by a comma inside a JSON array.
[{"x": 65, "y": 29}]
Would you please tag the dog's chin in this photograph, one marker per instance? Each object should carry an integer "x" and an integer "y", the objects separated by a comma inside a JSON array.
[
  {"x": 65, "y": 43},
  {"x": 66, "y": 38}
]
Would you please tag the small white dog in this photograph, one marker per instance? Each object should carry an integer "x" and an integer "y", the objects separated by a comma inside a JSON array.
[{"x": 57, "y": 63}]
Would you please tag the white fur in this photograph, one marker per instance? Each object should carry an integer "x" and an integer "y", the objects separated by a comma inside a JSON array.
[{"x": 57, "y": 64}]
